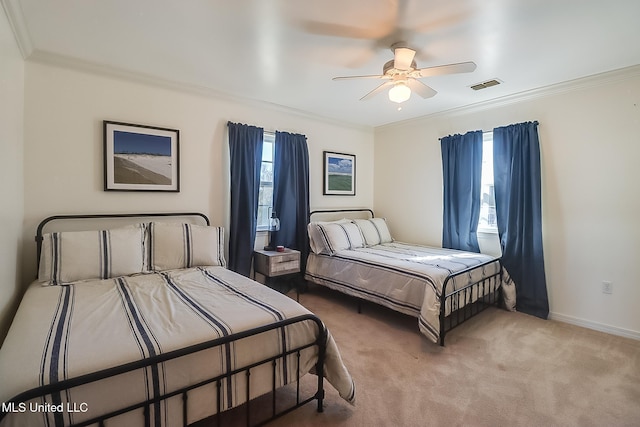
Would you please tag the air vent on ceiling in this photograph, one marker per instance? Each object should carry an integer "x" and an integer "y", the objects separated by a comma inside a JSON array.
[{"x": 486, "y": 84}]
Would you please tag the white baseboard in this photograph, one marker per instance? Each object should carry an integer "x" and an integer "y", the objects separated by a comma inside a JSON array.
[{"x": 614, "y": 330}]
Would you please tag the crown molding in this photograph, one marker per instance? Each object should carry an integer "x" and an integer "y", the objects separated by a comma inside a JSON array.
[
  {"x": 48, "y": 58},
  {"x": 13, "y": 10},
  {"x": 582, "y": 83}
]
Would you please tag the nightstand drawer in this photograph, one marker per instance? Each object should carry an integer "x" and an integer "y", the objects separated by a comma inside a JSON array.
[
  {"x": 285, "y": 267},
  {"x": 273, "y": 264}
]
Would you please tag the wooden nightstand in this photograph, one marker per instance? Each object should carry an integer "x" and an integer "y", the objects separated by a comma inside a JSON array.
[{"x": 276, "y": 264}]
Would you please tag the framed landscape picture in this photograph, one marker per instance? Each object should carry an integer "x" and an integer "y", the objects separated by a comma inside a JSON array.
[
  {"x": 141, "y": 158},
  {"x": 339, "y": 174}
]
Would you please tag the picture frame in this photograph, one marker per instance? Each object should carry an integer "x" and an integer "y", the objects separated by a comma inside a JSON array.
[
  {"x": 339, "y": 174},
  {"x": 141, "y": 158}
]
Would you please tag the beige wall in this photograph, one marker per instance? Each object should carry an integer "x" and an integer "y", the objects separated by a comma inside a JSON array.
[
  {"x": 11, "y": 187},
  {"x": 63, "y": 145},
  {"x": 590, "y": 145}
]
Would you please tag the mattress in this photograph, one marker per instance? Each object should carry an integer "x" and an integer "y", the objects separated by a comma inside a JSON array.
[
  {"x": 60, "y": 332},
  {"x": 405, "y": 277}
]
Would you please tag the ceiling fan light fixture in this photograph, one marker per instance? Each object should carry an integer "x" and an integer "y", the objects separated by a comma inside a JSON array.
[
  {"x": 402, "y": 75},
  {"x": 399, "y": 93}
]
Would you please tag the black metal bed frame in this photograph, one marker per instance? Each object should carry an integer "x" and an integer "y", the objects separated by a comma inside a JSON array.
[
  {"x": 487, "y": 288},
  {"x": 44, "y": 222},
  {"x": 320, "y": 342}
]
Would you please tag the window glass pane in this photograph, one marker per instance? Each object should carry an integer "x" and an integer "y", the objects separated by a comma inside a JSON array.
[
  {"x": 266, "y": 172},
  {"x": 265, "y": 196},
  {"x": 267, "y": 149},
  {"x": 487, "y": 197},
  {"x": 263, "y": 216}
]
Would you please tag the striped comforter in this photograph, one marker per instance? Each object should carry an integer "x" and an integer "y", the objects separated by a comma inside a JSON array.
[
  {"x": 404, "y": 277},
  {"x": 60, "y": 332}
]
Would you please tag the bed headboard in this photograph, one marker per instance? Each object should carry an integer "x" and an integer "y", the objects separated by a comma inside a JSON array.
[
  {"x": 336, "y": 214},
  {"x": 82, "y": 222}
]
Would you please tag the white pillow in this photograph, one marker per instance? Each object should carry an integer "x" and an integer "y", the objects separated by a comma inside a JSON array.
[
  {"x": 174, "y": 245},
  {"x": 334, "y": 237},
  {"x": 383, "y": 229},
  {"x": 316, "y": 241},
  {"x": 369, "y": 231},
  {"x": 374, "y": 230},
  {"x": 98, "y": 254}
]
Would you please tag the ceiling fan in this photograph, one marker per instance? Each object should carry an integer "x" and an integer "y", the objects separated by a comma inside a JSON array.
[{"x": 402, "y": 75}]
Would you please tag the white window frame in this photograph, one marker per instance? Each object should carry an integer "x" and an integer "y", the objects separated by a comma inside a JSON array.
[
  {"x": 487, "y": 180},
  {"x": 269, "y": 138}
]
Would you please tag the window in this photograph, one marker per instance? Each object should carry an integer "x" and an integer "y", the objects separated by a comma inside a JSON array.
[
  {"x": 487, "y": 222},
  {"x": 265, "y": 196}
]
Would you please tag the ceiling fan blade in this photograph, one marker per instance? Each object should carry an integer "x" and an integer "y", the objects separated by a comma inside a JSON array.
[
  {"x": 462, "y": 67},
  {"x": 376, "y": 91},
  {"x": 337, "y": 30},
  {"x": 403, "y": 57},
  {"x": 361, "y": 77},
  {"x": 420, "y": 88}
]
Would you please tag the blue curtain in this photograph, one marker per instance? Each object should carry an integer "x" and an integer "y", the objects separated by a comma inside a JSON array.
[
  {"x": 291, "y": 192},
  {"x": 516, "y": 168},
  {"x": 245, "y": 148},
  {"x": 462, "y": 173}
]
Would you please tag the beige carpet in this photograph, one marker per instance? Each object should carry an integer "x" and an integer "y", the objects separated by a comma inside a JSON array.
[{"x": 498, "y": 369}]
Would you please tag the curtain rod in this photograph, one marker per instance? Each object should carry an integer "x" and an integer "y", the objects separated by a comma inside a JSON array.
[
  {"x": 270, "y": 132},
  {"x": 483, "y": 131},
  {"x": 273, "y": 133},
  {"x": 535, "y": 122}
]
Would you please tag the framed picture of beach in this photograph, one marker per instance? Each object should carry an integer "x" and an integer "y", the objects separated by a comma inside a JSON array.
[
  {"x": 141, "y": 158},
  {"x": 339, "y": 174}
]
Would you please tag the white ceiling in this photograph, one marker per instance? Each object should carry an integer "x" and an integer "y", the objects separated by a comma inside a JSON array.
[{"x": 285, "y": 52}]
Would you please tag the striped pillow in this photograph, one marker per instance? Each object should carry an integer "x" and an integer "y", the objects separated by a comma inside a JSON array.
[
  {"x": 316, "y": 240},
  {"x": 335, "y": 237},
  {"x": 374, "y": 230},
  {"x": 173, "y": 245},
  {"x": 71, "y": 256}
]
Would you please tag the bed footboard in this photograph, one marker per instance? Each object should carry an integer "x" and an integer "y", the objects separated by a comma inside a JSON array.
[
  {"x": 469, "y": 300},
  {"x": 51, "y": 390}
]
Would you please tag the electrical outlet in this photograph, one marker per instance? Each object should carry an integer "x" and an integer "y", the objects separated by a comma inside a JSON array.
[{"x": 607, "y": 287}]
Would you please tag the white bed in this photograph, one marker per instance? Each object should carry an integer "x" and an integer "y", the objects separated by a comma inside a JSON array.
[
  {"x": 360, "y": 258},
  {"x": 169, "y": 296}
]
